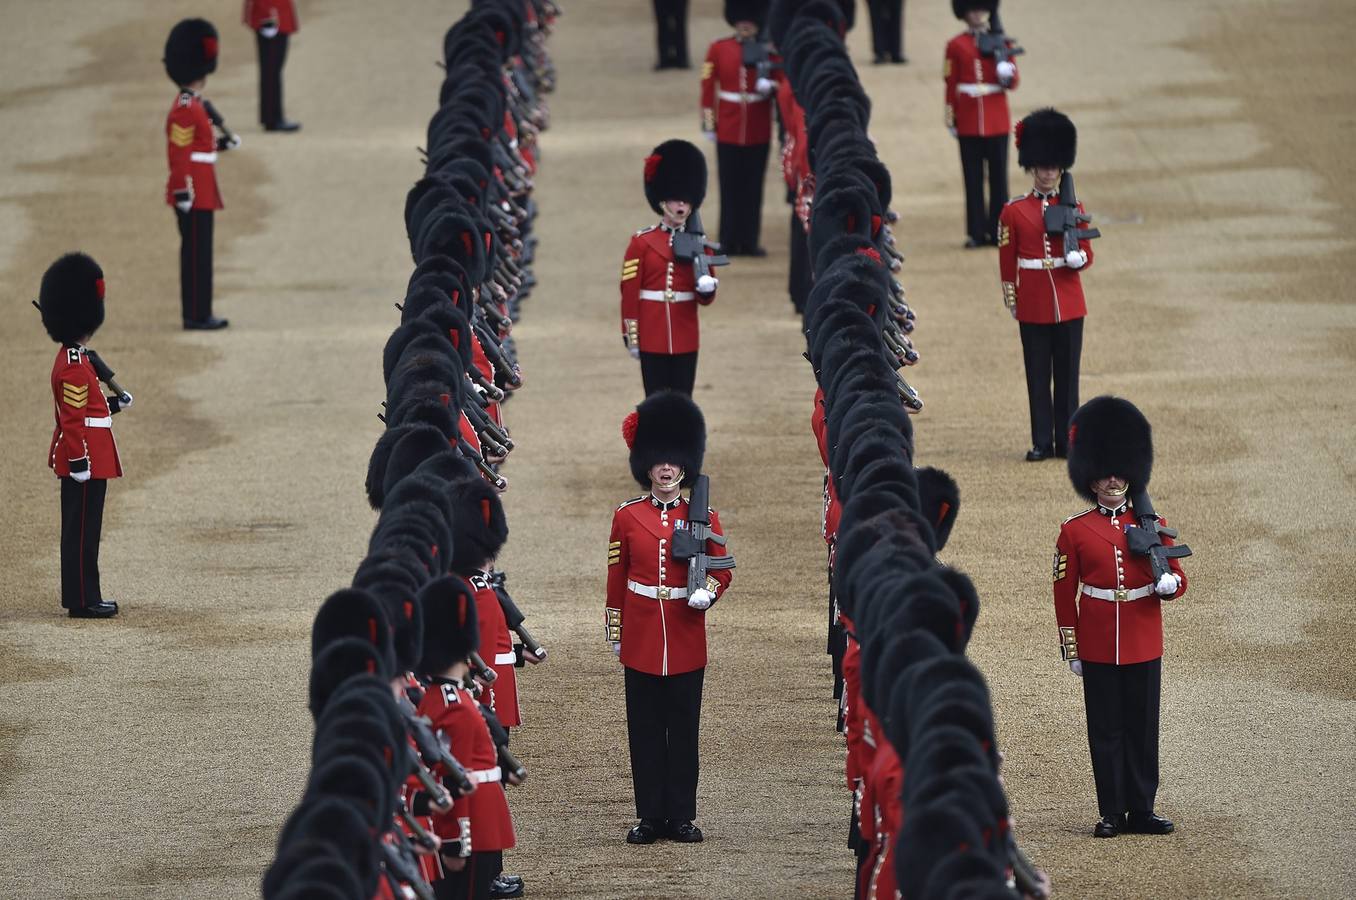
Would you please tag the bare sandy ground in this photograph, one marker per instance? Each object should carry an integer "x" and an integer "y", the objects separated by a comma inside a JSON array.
[{"x": 156, "y": 755}]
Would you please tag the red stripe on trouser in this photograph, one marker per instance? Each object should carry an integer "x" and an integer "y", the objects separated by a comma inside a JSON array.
[{"x": 84, "y": 498}]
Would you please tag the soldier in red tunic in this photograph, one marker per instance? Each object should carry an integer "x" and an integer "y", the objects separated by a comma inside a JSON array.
[
  {"x": 1108, "y": 609},
  {"x": 479, "y": 828},
  {"x": 83, "y": 453},
  {"x": 977, "y": 115},
  {"x": 655, "y": 626},
  {"x": 1041, "y": 284},
  {"x": 737, "y": 102},
  {"x": 660, "y": 294},
  {"x": 192, "y": 148},
  {"x": 272, "y": 21}
]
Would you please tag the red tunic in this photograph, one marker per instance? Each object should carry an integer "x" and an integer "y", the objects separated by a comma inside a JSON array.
[
  {"x": 496, "y": 648},
  {"x": 796, "y": 143},
  {"x": 83, "y": 421},
  {"x": 1046, "y": 290},
  {"x": 731, "y": 104},
  {"x": 660, "y": 295},
  {"x": 1092, "y": 550},
  {"x": 258, "y": 13},
  {"x": 658, "y": 636},
  {"x": 976, "y": 103},
  {"x": 453, "y": 711},
  {"x": 828, "y": 525},
  {"x": 192, "y": 150},
  {"x": 886, "y": 780}
]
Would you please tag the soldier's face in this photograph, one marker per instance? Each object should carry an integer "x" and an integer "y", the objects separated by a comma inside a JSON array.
[
  {"x": 746, "y": 31},
  {"x": 1046, "y": 178},
  {"x": 976, "y": 17},
  {"x": 666, "y": 476},
  {"x": 1112, "y": 486},
  {"x": 677, "y": 211}
]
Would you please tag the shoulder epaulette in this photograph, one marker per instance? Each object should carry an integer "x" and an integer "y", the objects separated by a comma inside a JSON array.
[
  {"x": 645, "y": 230},
  {"x": 479, "y": 583},
  {"x": 632, "y": 500},
  {"x": 1079, "y": 514},
  {"x": 1015, "y": 199}
]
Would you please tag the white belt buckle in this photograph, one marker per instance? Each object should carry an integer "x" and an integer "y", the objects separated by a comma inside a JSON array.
[
  {"x": 662, "y": 593},
  {"x": 1120, "y": 595}
]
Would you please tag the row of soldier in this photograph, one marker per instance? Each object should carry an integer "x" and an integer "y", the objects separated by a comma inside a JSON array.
[
  {"x": 414, "y": 673},
  {"x": 915, "y": 712}
]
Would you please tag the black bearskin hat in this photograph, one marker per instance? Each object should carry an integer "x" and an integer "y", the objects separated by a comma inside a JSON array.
[
  {"x": 71, "y": 298},
  {"x": 1109, "y": 436},
  {"x": 479, "y": 528},
  {"x": 940, "y": 502},
  {"x": 961, "y": 7},
  {"x": 339, "y": 661},
  {"x": 667, "y": 427},
  {"x": 451, "y": 631},
  {"x": 352, "y": 613},
  {"x": 754, "y": 11},
  {"x": 191, "y": 51},
  {"x": 1047, "y": 137},
  {"x": 675, "y": 170}
]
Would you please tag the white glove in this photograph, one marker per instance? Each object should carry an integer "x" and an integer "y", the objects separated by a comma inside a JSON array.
[
  {"x": 616, "y": 648},
  {"x": 183, "y": 200},
  {"x": 119, "y": 403},
  {"x": 83, "y": 475},
  {"x": 1167, "y": 585},
  {"x": 765, "y": 86},
  {"x": 633, "y": 350},
  {"x": 230, "y": 141},
  {"x": 1076, "y": 667},
  {"x": 710, "y": 136},
  {"x": 707, "y": 284},
  {"x": 268, "y": 30},
  {"x": 1075, "y": 259},
  {"x": 1006, "y": 70},
  {"x": 952, "y": 129},
  {"x": 701, "y": 599}
]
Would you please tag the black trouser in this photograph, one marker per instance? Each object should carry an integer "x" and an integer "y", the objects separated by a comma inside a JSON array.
[
  {"x": 272, "y": 55},
  {"x": 663, "y": 717},
  {"x": 887, "y": 28},
  {"x": 668, "y": 371},
  {"x": 670, "y": 18},
  {"x": 741, "y": 195},
  {"x": 1048, "y": 349},
  {"x": 799, "y": 281},
  {"x": 82, "y": 522},
  {"x": 472, "y": 882},
  {"x": 195, "y": 263},
  {"x": 976, "y": 153},
  {"x": 1122, "y": 708}
]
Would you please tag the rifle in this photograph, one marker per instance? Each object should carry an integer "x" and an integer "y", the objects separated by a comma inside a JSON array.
[
  {"x": 1146, "y": 538},
  {"x": 689, "y": 542},
  {"x": 1064, "y": 218},
  {"x": 105, "y": 374},
  {"x": 403, "y": 868},
  {"x": 229, "y": 140},
  {"x": 758, "y": 55},
  {"x": 690, "y": 245},
  {"x": 433, "y": 751},
  {"x": 994, "y": 43},
  {"x": 515, "y": 616}
]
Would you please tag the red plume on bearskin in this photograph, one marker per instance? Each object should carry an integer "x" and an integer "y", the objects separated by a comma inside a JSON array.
[
  {"x": 629, "y": 429},
  {"x": 668, "y": 428},
  {"x": 1017, "y": 132},
  {"x": 651, "y": 166},
  {"x": 70, "y": 298}
]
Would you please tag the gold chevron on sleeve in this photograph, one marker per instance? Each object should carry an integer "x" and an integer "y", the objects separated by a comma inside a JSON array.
[
  {"x": 630, "y": 269},
  {"x": 707, "y": 68},
  {"x": 76, "y": 395},
  {"x": 614, "y": 553},
  {"x": 181, "y": 135}
]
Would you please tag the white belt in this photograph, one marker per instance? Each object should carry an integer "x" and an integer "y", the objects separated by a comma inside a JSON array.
[
  {"x": 657, "y": 593},
  {"x": 736, "y": 97},
  {"x": 979, "y": 90},
  {"x": 1118, "y": 596},
  {"x": 105, "y": 422},
  {"x": 505, "y": 659},
  {"x": 671, "y": 296},
  {"x": 1048, "y": 262},
  {"x": 481, "y": 776},
  {"x": 203, "y": 156}
]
